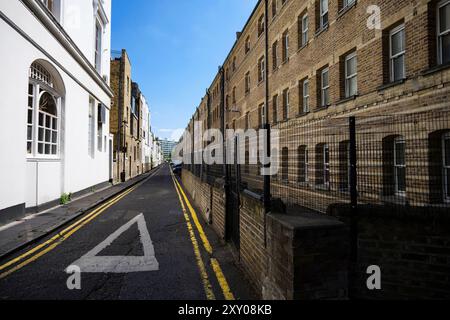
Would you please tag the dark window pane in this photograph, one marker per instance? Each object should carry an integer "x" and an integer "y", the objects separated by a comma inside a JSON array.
[
  {"x": 401, "y": 179},
  {"x": 447, "y": 179},
  {"x": 41, "y": 134},
  {"x": 30, "y": 89},
  {"x": 47, "y": 149},
  {"x": 29, "y": 147},
  {"x": 54, "y": 136},
  {"x": 54, "y": 149},
  {"x": 399, "y": 67},
  {"x": 446, "y": 48},
  {"x": 447, "y": 151},
  {"x": 48, "y": 135},
  {"x": 41, "y": 119},
  {"x": 40, "y": 148},
  {"x": 29, "y": 132},
  {"x": 30, "y": 116},
  {"x": 48, "y": 122},
  {"x": 400, "y": 153},
  {"x": 444, "y": 18}
]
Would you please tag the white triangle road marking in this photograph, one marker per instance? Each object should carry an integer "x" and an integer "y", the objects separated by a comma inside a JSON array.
[{"x": 91, "y": 263}]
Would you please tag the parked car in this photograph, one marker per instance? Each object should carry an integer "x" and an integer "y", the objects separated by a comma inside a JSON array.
[{"x": 176, "y": 169}]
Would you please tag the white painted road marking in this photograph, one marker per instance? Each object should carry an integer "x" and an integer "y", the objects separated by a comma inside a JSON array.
[{"x": 91, "y": 263}]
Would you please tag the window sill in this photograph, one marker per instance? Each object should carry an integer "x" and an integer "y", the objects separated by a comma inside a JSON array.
[
  {"x": 321, "y": 108},
  {"x": 391, "y": 84},
  {"x": 303, "y": 46},
  {"x": 351, "y": 98},
  {"x": 346, "y": 9},
  {"x": 321, "y": 30},
  {"x": 302, "y": 114},
  {"x": 43, "y": 159},
  {"x": 435, "y": 69}
]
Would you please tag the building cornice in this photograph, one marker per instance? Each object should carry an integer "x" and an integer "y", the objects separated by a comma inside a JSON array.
[{"x": 53, "y": 26}]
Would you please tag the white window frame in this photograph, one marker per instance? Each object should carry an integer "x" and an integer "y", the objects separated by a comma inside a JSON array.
[
  {"x": 305, "y": 29},
  {"x": 305, "y": 92},
  {"x": 440, "y": 34},
  {"x": 42, "y": 82},
  {"x": 347, "y": 3},
  {"x": 262, "y": 109},
  {"x": 286, "y": 102},
  {"x": 324, "y": 13},
  {"x": 98, "y": 44},
  {"x": 392, "y": 57},
  {"x": 445, "y": 168},
  {"x": 325, "y": 89},
  {"x": 262, "y": 69},
  {"x": 349, "y": 77},
  {"x": 286, "y": 46},
  {"x": 397, "y": 141},
  {"x": 305, "y": 156}
]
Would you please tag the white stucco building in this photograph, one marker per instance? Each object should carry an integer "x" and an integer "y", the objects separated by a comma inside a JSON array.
[
  {"x": 146, "y": 146},
  {"x": 55, "y": 101}
]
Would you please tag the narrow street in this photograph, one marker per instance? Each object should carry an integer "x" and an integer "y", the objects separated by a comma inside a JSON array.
[{"x": 180, "y": 266}]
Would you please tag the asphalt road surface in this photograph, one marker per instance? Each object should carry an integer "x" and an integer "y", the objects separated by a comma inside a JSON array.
[{"x": 142, "y": 245}]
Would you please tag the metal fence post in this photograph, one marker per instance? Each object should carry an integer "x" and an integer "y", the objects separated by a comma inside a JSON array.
[{"x": 354, "y": 205}]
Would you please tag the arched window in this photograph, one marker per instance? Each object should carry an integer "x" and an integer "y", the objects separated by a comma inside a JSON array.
[{"x": 43, "y": 113}]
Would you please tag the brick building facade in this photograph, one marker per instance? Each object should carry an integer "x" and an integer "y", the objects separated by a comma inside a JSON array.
[
  {"x": 318, "y": 65},
  {"x": 125, "y": 119}
]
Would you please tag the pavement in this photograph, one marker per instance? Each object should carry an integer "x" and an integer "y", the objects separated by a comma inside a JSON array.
[{"x": 139, "y": 245}]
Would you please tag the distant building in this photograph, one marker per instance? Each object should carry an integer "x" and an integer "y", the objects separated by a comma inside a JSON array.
[
  {"x": 125, "y": 121},
  {"x": 166, "y": 147}
]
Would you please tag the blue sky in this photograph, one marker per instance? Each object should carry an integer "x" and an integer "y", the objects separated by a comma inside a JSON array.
[{"x": 175, "y": 49}]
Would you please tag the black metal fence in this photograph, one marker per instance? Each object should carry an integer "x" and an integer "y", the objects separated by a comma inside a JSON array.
[{"x": 401, "y": 160}]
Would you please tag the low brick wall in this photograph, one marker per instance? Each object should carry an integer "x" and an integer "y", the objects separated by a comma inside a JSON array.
[
  {"x": 210, "y": 200},
  {"x": 307, "y": 257},
  {"x": 253, "y": 254},
  {"x": 412, "y": 248},
  {"x": 284, "y": 256}
]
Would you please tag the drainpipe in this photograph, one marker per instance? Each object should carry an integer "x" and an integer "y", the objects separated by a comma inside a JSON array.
[
  {"x": 267, "y": 196},
  {"x": 222, "y": 119}
]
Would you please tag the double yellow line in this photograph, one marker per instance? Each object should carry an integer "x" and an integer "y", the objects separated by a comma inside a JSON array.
[
  {"x": 47, "y": 246},
  {"x": 206, "y": 244}
]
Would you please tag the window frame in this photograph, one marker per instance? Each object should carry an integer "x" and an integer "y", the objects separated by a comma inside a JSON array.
[
  {"x": 323, "y": 13},
  {"x": 305, "y": 30},
  {"x": 324, "y": 89},
  {"x": 397, "y": 141},
  {"x": 285, "y": 45},
  {"x": 349, "y": 77},
  {"x": 440, "y": 34},
  {"x": 41, "y": 80},
  {"x": 261, "y": 69},
  {"x": 398, "y": 29},
  {"x": 98, "y": 44},
  {"x": 304, "y": 154},
  {"x": 275, "y": 55},
  {"x": 247, "y": 82},
  {"x": 286, "y": 102},
  {"x": 305, "y": 97}
]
